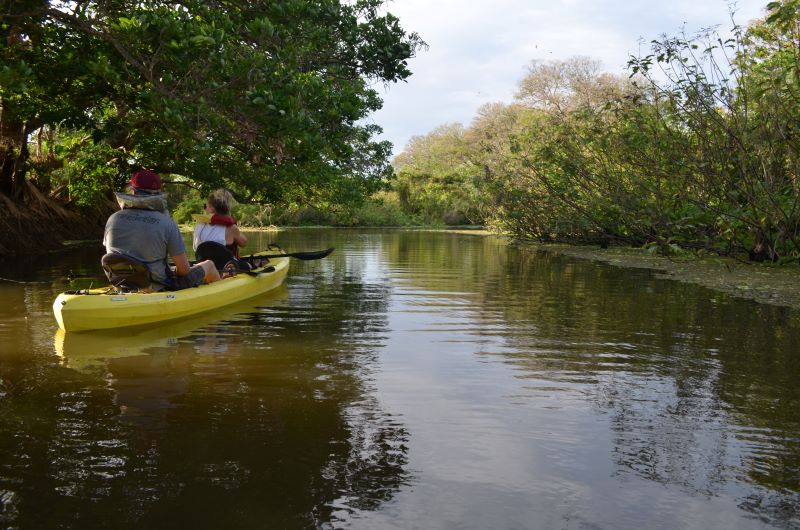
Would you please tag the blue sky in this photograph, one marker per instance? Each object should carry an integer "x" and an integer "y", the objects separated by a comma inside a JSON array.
[{"x": 479, "y": 50}]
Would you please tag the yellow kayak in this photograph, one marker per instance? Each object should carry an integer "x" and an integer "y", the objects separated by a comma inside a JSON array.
[{"x": 104, "y": 308}]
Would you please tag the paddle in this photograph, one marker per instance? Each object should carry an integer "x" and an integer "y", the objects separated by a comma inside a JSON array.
[{"x": 305, "y": 256}]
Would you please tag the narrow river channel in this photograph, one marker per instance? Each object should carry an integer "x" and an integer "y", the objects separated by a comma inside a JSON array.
[{"x": 409, "y": 380}]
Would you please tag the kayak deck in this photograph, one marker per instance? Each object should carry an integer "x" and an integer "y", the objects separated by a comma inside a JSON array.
[{"x": 104, "y": 308}]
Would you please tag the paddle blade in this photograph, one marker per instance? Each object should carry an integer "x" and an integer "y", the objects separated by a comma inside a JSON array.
[{"x": 319, "y": 254}]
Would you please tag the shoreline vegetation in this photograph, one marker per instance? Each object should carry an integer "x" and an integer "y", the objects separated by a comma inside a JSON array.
[{"x": 695, "y": 149}]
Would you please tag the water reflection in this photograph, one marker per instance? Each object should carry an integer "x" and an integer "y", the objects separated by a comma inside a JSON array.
[
  {"x": 259, "y": 418},
  {"x": 413, "y": 380},
  {"x": 84, "y": 350},
  {"x": 694, "y": 402}
]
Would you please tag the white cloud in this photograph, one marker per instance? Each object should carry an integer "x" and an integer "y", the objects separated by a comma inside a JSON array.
[{"x": 479, "y": 49}]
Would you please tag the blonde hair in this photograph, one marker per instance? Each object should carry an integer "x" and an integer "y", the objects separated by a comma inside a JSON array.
[{"x": 220, "y": 200}]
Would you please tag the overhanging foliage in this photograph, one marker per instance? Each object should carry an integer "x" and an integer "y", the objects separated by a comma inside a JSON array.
[{"x": 267, "y": 97}]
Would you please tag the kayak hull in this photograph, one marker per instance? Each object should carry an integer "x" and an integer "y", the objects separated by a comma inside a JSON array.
[{"x": 95, "y": 309}]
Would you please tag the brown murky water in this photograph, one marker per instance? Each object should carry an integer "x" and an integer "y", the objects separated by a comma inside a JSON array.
[{"x": 410, "y": 380}]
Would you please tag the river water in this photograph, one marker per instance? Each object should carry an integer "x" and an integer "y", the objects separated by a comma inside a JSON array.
[{"x": 410, "y": 380}]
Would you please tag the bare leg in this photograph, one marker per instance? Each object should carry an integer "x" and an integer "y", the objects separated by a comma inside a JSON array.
[{"x": 211, "y": 273}]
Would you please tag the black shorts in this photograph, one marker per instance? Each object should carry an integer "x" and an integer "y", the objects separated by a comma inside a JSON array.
[{"x": 193, "y": 279}]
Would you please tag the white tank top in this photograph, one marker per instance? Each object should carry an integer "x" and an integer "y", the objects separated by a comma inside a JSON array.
[{"x": 204, "y": 232}]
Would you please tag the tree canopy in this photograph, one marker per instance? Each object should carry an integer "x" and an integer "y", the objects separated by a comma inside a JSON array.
[{"x": 268, "y": 97}]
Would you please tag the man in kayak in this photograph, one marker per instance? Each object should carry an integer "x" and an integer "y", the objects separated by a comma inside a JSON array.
[{"x": 143, "y": 230}]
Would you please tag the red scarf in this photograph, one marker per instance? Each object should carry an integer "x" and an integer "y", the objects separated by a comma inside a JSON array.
[
  {"x": 226, "y": 220},
  {"x": 219, "y": 219}
]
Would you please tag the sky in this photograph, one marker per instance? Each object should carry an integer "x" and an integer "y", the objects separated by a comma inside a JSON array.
[{"x": 479, "y": 49}]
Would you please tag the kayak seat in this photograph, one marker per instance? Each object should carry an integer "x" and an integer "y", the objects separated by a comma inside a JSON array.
[
  {"x": 125, "y": 273},
  {"x": 222, "y": 257}
]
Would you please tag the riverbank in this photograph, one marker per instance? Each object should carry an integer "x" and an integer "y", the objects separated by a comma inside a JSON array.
[
  {"x": 764, "y": 283},
  {"x": 37, "y": 224}
]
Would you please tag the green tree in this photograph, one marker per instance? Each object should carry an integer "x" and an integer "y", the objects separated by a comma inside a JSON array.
[
  {"x": 266, "y": 97},
  {"x": 435, "y": 178},
  {"x": 730, "y": 111},
  {"x": 563, "y": 184}
]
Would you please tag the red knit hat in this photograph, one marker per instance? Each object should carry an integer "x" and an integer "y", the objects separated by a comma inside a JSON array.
[{"x": 146, "y": 180}]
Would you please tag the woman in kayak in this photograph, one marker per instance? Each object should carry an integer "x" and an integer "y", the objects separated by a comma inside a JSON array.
[{"x": 218, "y": 225}]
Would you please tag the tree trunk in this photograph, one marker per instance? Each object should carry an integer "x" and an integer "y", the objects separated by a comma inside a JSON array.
[
  {"x": 762, "y": 249},
  {"x": 13, "y": 157}
]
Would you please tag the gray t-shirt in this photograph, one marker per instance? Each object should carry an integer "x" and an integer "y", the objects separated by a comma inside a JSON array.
[{"x": 145, "y": 235}]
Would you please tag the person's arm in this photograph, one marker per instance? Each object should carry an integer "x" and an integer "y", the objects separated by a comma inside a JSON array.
[
  {"x": 176, "y": 249},
  {"x": 181, "y": 264},
  {"x": 235, "y": 236}
]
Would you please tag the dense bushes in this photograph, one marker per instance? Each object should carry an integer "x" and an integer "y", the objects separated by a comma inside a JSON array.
[{"x": 699, "y": 149}]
